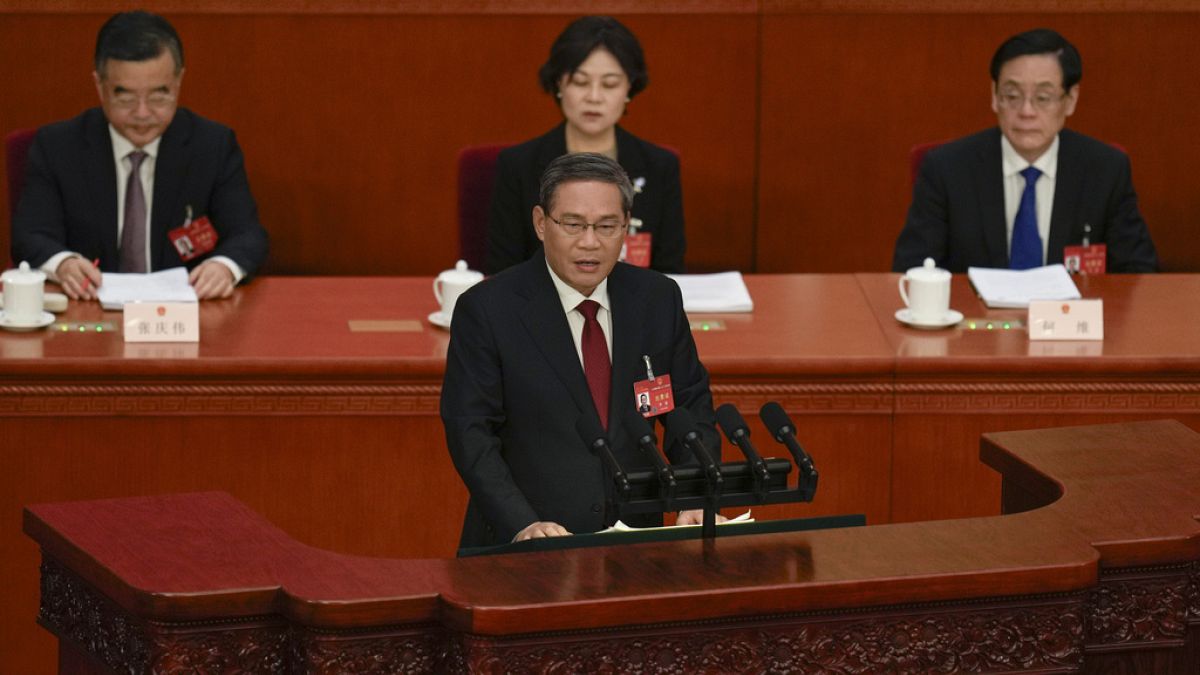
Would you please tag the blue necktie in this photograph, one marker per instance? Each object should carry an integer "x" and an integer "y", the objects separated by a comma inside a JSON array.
[{"x": 1026, "y": 250}]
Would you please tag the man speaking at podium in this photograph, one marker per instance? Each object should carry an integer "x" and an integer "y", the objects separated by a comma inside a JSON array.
[
  {"x": 139, "y": 184},
  {"x": 563, "y": 335}
]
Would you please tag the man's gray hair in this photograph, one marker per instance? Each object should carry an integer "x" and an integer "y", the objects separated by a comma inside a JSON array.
[{"x": 584, "y": 166}]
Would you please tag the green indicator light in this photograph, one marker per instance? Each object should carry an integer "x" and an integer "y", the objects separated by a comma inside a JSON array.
[
  {"x": 705, "y": 327},
  {"x": 82, "y": 329},
  {"x": 99, "y": 329},
  {"x": 990, "y": 326},
  {"x": 1007, "y": 325},
  {"x": 971, "y": 325}
]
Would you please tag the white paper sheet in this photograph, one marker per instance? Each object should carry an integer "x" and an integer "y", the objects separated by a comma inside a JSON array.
[
  {"x": 165, "y": 286},
  {"x": 1014, "y": 289},
  {"x": 622, "y": 527},
  {"x": 723, "y": 292}
]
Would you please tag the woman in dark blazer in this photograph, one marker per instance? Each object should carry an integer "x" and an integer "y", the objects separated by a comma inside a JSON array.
[{"x": 595, "y": 68}]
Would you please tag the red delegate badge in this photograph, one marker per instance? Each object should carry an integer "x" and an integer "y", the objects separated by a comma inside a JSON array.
[
  {"x": 1085, "y": 259},
  {"x": 194, "y": 239},
  {"x": 637, "y": 249},
  {"x": 653, "y": 395}
]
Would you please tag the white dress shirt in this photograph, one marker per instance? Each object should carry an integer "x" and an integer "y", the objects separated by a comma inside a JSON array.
[
  {"x": 1014, "y": 185},
  {"x": 571, "y": 298}
]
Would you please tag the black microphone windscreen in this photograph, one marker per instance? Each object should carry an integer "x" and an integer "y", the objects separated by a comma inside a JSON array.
[
  {"x": 589, "y": 430},
  {"x": 730, "y": 419},
  {"x": 638, "y": 425},
  {"x": 680, "y": 422},
  {"x": 775, "y": 418}
]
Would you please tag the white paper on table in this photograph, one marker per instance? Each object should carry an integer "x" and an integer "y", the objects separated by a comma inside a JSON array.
[
  {"x": 1014, "y": 289},
  {"x": 622, "y": 527},
  {"x": 166, "y": 286},
  {"x": 722, "y": 292}
]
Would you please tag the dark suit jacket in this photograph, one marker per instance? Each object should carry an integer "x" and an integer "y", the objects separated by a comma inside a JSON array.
[
  {"x": 70, "y": 196},
  {"x": 511, "y": 238},
  {"x": 514, "y": 390},
  {"x": 957, "y": 212}
]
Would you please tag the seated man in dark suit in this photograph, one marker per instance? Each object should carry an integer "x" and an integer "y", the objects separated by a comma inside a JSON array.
[
  {"x": 562, "y": 335},
  {"x": 117, "y": 183},
  {"x": 1016, "y": 195}
]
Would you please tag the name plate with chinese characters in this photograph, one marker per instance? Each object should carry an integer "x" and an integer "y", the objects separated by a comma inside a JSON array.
[
  {"x": 162, "y": 322},
  {"x": 1066, "y": 320}
]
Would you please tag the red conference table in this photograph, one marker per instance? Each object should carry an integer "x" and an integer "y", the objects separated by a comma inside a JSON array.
[{"x": 310, "y": 419}]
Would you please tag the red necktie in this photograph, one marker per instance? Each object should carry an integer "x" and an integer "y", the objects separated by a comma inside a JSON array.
[{"x": 596, "y": 365}]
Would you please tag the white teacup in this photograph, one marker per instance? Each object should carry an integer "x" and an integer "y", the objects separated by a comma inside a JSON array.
[
  {"x": 452, "y": 283},
  {"x": 928, "y": 292},
  {"x": 24, "y": 298}
]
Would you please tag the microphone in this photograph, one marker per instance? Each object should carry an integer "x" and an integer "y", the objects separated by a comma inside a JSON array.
[
  {"x": 643, "y": 435},
  {"x": 781, "y": 427},
  {"x": 683, "y": 426},
  {"x": 734, "y": 426},
  {"x": 591, "y": 433}
]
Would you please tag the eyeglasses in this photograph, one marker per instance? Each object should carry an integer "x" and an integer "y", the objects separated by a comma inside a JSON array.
[
  {"x": 1015, "y": 100},
  {"x": 605, "y": 229},
  {"x": 157, "y": 100}
]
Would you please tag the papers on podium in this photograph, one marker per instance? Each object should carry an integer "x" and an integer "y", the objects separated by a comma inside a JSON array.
[
  {"x": 1015, "y": 289},
  {"x": 724, "y": 292},
  {"x": 165, "y": 286},
  {"x": 622, "y": 527}
]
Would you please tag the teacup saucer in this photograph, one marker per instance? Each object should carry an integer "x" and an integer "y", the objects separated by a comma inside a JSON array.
[
  {"x": 950, "y": 318},
  {"x": 440, "y": 320},
  {"x": 46, "y": 319}
]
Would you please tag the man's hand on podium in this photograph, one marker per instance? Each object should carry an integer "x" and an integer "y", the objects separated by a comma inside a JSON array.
[
  {"x": 695, "y": 517},
  {"x": 541, "y": 529}
]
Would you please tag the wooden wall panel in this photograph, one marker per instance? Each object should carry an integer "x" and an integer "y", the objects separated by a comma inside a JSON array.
[{"x": 845, "y": 95}]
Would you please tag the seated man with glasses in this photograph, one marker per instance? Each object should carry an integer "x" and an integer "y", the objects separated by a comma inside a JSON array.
[
  {"x": 114, "y": 188},
  {"x": 1017, "y": 195},
  {"x": 561, "y": 336}
]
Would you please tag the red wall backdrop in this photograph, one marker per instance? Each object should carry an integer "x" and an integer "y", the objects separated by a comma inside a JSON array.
[{"x": 793, "y": 118}]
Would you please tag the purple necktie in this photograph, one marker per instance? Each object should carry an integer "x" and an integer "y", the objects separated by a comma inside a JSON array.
[
  {"x": 133, "y": 234},
  {"x": 596, "y": 365}
]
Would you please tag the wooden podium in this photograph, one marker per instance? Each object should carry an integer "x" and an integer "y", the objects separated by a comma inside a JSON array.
[{"x": 1095, "y": 566}]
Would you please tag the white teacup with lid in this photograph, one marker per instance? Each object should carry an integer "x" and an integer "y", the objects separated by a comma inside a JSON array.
[
  {"x": 927, "y": 295},
  {"x": 24, "y": 296},
  {"x": 452, "y": 283}
]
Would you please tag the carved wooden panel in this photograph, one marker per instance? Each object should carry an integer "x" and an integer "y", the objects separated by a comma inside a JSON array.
[
  {"x": 1097, "y": 397},
  {"x": 231, "y": 399},
  {"x": 408, "y": 650},
  {"x": 809, "y": 398},
  {"x": 1046, "y": 635},
  {"x": 74, "y": 611},
  {"x": 1143, "y": 607},
  {"x": 1194, "y": 595}
]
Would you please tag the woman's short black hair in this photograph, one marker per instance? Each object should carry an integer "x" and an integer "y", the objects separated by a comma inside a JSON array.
[
  {"x": 579, "y": 39},
  {"x": 1040, "y": 41}
]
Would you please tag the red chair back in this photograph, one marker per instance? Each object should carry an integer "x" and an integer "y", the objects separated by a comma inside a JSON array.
[
  {"x": 476, "y": 177},
  {"x": 916, "y": 156},
  {"x": 16, "y": 149}
]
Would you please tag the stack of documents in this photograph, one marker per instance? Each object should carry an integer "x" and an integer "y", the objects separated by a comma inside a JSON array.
[
  {"x": 1001, "y": 288},
  {"x": 724, "y": 292},
  {"x": 165, "y": 286}
]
